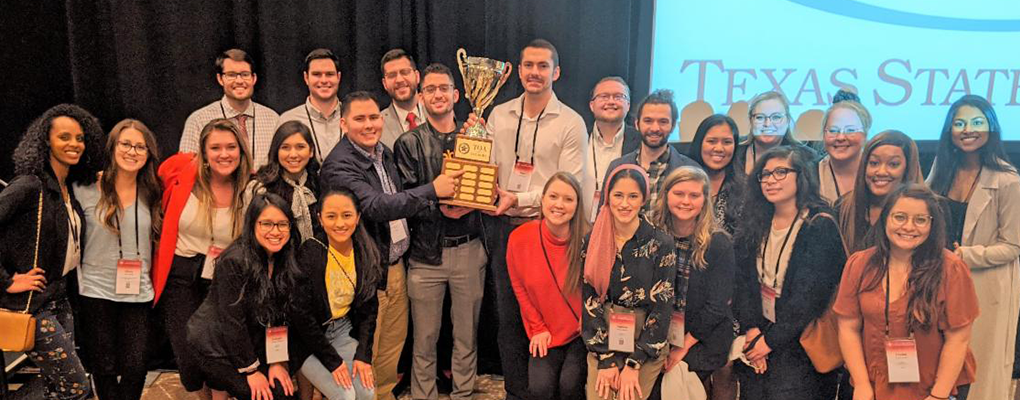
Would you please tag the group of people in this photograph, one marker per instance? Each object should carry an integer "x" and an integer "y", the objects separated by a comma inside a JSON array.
[{"x": 304, "y": 243}]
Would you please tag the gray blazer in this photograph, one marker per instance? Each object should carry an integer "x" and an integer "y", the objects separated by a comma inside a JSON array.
[{"x": 392, "y": 128}]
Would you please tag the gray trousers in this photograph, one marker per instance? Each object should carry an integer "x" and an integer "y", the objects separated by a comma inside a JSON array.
[{"x": 463, "y": 269}]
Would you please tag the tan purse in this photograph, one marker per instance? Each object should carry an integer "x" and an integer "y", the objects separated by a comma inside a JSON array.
[
  {"x": 17, "y": 328},
  {"x": 820, "y": 339}
]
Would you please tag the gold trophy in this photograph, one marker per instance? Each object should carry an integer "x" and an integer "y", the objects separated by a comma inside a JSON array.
[{"x": 472, "y": 151}]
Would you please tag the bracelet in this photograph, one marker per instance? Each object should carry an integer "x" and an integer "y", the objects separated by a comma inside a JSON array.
[{"x": 937, "y": 397}]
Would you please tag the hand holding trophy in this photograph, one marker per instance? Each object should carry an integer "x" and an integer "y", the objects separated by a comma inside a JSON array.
[{"x": 476, "y": 188}]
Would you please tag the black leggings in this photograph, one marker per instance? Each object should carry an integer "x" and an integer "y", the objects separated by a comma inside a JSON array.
[
  {"x": 561, "y": 374},
  {"x": 114, "y": 342},
  {"x": 184, "y": 292}
]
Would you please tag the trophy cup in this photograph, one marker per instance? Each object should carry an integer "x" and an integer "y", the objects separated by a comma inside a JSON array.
[{"x": 472, "y": 151}]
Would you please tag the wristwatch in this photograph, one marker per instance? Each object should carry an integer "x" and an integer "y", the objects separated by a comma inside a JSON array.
[{"x": 633, "y": 364}]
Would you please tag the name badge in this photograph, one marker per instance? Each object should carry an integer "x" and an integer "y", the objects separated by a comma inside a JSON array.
[
  {"x": 129, "y": 276},
  {"x": 676, "y": 329},
  {"x": 621, "y": 331},
  {"x": 768, "y": 303},
  {"x": 276, "y": 345},
  {"x": 520, "y": 178},
  {"x": 397, "y": 231},
  {"x": 901, "y": 355},
  {"x": 209, "y": 266}
]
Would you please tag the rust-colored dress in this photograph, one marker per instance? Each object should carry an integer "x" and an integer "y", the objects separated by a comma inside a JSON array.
[{"x": 958, "y": 305}]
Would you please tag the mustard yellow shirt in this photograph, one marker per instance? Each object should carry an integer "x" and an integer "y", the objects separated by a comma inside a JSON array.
[{"x": 340, "y": 278}]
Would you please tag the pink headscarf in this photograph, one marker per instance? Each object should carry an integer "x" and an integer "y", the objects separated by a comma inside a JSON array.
[{"x": 601, "y": 254}]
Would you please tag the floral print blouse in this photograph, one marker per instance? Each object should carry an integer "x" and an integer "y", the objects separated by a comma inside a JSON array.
[{"x": 642, "y": 278}]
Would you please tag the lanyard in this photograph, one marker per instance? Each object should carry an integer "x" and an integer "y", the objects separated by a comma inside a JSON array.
[
  {"x": 779, "y": 258},
  {"x": 888, "y": 289},
  {"x": 534, "y": 137},
  {"x": 834, "y": 180},
  {"x": 315, "y": 139},
  {"x": 73, "y": 224},
  {"x": 974, "y": 185},
  {"x": 548, "y": 263},
  {"x": 252, "y": 133},
  {"x": 595, "y": 164},
  {"x": 341, "y": 265},
  {"x": 120, "y": 245}
]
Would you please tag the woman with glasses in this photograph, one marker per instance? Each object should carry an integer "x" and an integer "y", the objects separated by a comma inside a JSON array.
[
  {"x": 627, "y": 292},
  {"x": 341, "y": 268},
  {"x": 713, "y": 147},
  {"x": 203, "y": 208},
  {"x": 890, "y": 159},
  {"x": 243, "y": 331},
  {"x": 771, "y": 126},
  {"x": 973, "y": 173},
  {"x": 39, "y": 247},
  {"x": 789, "y": 259},
  {"x": 122, "y": 211},
  {"x": 292, "y": 172},
  {"x": 845, "y": 127},
  {"x": 911, "y": 300}
]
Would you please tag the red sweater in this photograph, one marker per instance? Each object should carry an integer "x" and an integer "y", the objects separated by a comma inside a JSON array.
[
  {"x": 178, "y": 175},
  {"x": 543, "y": 307}
]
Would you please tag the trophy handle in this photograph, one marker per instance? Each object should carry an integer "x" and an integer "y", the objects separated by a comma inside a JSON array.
[
  {"x": 507, "y": 67},
  {"x": 462, "y": 62}
]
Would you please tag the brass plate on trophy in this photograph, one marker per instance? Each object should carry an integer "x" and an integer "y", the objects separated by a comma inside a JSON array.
[
  {"x": 475, "y": 189},
  {"x": 472, "y": 148}
]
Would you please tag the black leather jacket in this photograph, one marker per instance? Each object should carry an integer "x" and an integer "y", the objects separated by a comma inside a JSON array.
[{"x": 419, "y": 157}]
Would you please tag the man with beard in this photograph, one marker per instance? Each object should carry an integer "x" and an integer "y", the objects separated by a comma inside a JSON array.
[
  {"x": 534, "y": 136},
  {"x": 446, "y": 247},
  {"x": 235, "y": 73},
  {"x": 611, "y": 136},
  {"x": 321, "y": 110},
  {"x": 400, "y": 79},
  {"x": 657, "y": 116}
]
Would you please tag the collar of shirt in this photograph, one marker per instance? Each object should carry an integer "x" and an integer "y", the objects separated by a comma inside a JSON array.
[
  {"x": 230, "y": 112},
  {"x": 663, "y": 158},
  {"x": 377, "y": 158},
  {"x": 402, "y": 114},
  {"x": 597, "y": 136},
  {"x": 318, "y": 114},
  {"x": 553, "y": 107}
]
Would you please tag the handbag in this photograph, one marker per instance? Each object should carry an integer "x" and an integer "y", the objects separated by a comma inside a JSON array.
[
  {"x": 820, "y": 339},
  {"x": 17, "y": 328}
]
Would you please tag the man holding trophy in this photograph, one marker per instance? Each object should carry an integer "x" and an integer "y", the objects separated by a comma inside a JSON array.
[
  {"x": 446, "y": 247},
  {"x": 534, "y": 136}
]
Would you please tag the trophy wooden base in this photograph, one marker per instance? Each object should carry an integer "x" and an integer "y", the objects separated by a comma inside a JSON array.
[{"x": 476, "y": 188}]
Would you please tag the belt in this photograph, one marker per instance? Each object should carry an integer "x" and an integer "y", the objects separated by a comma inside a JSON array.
[{"x": 455, "y": 241}]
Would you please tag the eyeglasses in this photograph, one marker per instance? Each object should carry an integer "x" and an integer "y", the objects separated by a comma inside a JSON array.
[
  {"x": 267, "y": 226},
  {"x": 431, "y": 89},
  {"x": 775, "y": 118},
  {"x": 848, "y": 130},
  {"x": 232, "y": 76},
  {"x": 778, "y": 173},
  {"x": 404, "y": 72},
  {"x": 127, "y": 147},
  {"x": 615, "y": 96},
  {"x": 900, "y": 219}
]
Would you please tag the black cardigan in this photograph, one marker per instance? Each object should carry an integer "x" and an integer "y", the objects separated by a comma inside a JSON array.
[
  {"x": 19, "y": 210},
  {"x": 812, "y": 275},
  {"x": 708, "y": 316},
  {"x": 315, "y": 311}
]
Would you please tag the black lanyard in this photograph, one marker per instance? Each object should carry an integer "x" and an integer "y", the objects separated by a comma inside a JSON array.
[
  {"x": 888, "y": 288},
  {"x": 834, "y": 180},
  {"x": 341, "y": 265},
  {"x": 595, "y": 163},
  {"x": 534, "y": 137},
  {"x": 315, "y": 138},
  {"x": 120, "y": 245},
  {"x": 541, "y": 241},
  {"x": 779, "y": 258},
  {"x": 252, "y": 133}
]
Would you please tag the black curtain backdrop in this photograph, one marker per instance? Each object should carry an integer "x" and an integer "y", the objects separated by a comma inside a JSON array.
[{"x": 153, "y": 60}]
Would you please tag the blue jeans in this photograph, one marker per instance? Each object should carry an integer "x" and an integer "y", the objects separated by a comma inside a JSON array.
[{"x": 338, "y": 332}]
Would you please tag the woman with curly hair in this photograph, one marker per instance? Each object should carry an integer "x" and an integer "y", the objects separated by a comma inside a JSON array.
[
  {"x": 59, "y": 149},
  {"x": 122, "y": 210}
]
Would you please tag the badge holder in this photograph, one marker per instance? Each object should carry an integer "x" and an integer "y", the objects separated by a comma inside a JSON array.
[
  {"x": 276, "y": 345},
  {"x": 676, "y": 330}
]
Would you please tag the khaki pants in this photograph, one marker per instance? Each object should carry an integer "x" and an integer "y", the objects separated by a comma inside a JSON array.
[
  {"x": 646, "y": 377},
  {"x": 390, "y": 332}
]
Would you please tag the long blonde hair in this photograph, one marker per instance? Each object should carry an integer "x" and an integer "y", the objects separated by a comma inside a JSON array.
[
  {"x": 705, "y": 223},
  {"x": 241, "y": 175}
]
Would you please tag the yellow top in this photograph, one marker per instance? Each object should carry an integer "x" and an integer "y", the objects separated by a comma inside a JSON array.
[{"x": 340, "y": 278}]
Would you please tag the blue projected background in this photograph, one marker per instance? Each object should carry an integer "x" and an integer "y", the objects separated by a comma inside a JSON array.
[{"x": 908, "y": 59}]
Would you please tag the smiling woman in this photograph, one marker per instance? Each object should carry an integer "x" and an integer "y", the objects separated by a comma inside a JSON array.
[{"x": 292, "y": 173}]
